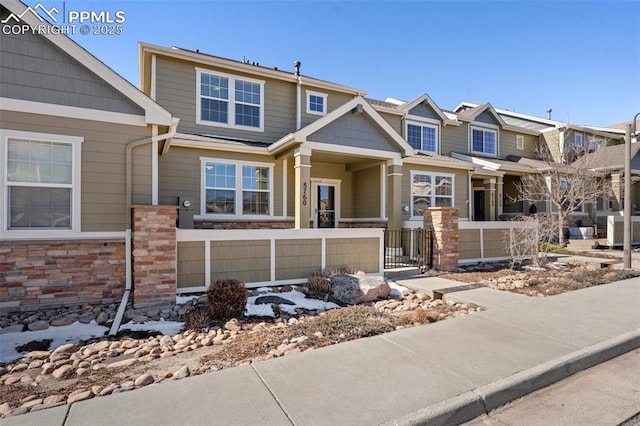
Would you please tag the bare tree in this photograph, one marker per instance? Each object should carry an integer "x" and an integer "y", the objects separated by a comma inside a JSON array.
[
  {"x": 524, "y": 240},
  {"x": 569, "y": 185}
]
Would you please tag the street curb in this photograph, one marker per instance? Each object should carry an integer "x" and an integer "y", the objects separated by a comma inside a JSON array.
[{"x": 482, "y": 400}]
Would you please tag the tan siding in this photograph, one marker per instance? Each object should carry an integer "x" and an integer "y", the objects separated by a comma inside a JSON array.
[
  {"x": 511, "y": 192},
  {"x": 336, "y": 171},
  {"x": 455, "y": 139},
  {"x": 180, "y": 174},
  {"x": 103, "y": 163},
  {"x": 394, "y": 121},
  {"x": 508, "y": 144},
  {"x": 460, "y": 187},
  {"x": 366, "y": 192},
  {"x": 245, "y": 261},
  {"x": 334, "y": 100},
  {"x": 469, "y": 243},
  {"x": 361, "y": 254},
  {"x": 141, "y": 175},
  {"x": 191, "y": 264},
  {"x": 176, "y": 91},
  {"x": 297, "y": 258},
  {"x": 551, "y": 141}
]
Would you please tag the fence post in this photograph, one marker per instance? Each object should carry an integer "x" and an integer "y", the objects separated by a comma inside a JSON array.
[{"x": 444, "y": 221}]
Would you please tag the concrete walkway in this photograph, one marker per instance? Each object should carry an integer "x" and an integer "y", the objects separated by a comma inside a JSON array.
[{"x": 443, "y": 373}]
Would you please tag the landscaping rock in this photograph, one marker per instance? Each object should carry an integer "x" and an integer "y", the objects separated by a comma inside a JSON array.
[
  {"x": 182, "y": 373},
  {"x": 351, "y": 289},
  {"x": 63, "y": 372},
  {"x": 61, "y": 322},
  {"x": 79, "y": 395},
  {"x": 38, "y": 325},
  {"x": 144, "y": 380},
  {"x": 102, "y": 318}
]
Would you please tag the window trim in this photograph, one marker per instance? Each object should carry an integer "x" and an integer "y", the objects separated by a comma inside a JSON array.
[
  {"x": 426, "y": 123},
  {"x": 575, "y": 142},
  {"x": 520, "y": 142},
  {"x": 324, "y": 97},
  {"x": 231, "y": 112},
  {"x": 238, "y": 188},
  {"x": 76, "y": 181},
  {"x": 484, "y": 128},
  {"x": 433, "y": 195}
]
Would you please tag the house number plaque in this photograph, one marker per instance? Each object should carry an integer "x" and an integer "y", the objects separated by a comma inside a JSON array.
[{"x": 304, "y": 194}]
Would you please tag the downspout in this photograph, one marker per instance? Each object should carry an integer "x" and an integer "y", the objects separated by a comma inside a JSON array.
[
  {"x": 128, "y": 190},
  {"x": 470, "y": 174},
  {"x": 296, "y": 65}
]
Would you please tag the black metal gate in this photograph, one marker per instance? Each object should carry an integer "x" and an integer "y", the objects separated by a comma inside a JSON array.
[{"x": 408, "y": 247}]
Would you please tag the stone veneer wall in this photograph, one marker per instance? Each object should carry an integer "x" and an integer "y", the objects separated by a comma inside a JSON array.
[
  {"x": 444, "y": 221},
  {"x": 36, "y": 275},
  {"x": 154, "y": 255}
]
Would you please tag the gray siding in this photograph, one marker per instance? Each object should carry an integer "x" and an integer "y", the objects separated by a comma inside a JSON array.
[
  {"x": 488, "y": 118},
  {"x": 508, "y": 144},
  {"x": 176, "y": 91},
  {"x": 394, "y": 121},
  {"x": 103, "y": 164},
  {"x": 33, "y": 69},
  {"x": 355, "y": 130},
  {"x": 424, "y": 110},
  {"x": 366, "y": 192}
]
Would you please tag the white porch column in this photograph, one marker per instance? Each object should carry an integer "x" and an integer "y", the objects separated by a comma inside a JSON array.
[
  {"x": 302, "y": 199},
  {"x": 500, "y": 197},
  {"x": 490, "y": 186},
  {"x": 394, "y": 194}
]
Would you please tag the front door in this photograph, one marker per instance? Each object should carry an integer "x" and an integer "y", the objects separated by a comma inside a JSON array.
[
  {"x": 478, "y": 205},
  {"x": 326, "y": 206}
]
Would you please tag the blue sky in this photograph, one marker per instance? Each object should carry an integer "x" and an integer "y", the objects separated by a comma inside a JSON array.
[{"x": 580, "y": 58}]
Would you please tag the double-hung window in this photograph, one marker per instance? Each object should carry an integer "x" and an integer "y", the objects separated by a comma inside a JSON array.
[
  {"x": 577, "y": 140},
  {"x": 484, "y": 141},
  {"x": 237, "y": 189},
  {"x": 41, "y": 185},
  {"x": 423, "y": 137},
  {"x": 430, "y": 190},
  {"x": 230, "y": 101}
]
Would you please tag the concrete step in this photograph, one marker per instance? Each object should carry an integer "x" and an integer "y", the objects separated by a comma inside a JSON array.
[
  {"x": 403, "y": 272},
  {"x": 582, "y": 244}
]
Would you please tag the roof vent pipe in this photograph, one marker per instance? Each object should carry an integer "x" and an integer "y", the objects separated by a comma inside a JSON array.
[
  {"x": 296, "y": 66},
  {"x": 549, "y": 111}
]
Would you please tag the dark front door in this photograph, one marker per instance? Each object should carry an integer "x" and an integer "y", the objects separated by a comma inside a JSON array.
[
  {"x": 326, "y": 207},
  {"x": 478, "y": 205}
]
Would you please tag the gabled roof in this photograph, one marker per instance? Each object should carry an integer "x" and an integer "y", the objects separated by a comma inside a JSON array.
[
  {"x": 408, "y": 106},
  {"x": 301, "y": 135},
  {"x": 544, "y": 122},
  {"x": 472, "y": 113},
  {"x": 607, "y": 158},
  {"x": 154, "y": 113},
  {"x": 511, "y": 163}
]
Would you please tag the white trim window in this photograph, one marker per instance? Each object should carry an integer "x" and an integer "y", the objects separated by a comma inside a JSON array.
[
  {"x": 422, "y": 137},
  {"x": 229, "y": 101},
  {"x": 233, "y": 188},
  {"x": 41, "y": 186},
  {"x": 430, "y": 190},
  {"x": 484, "y": 141},
  {"x": 519, "y": 142},
  {"x": 578, "y": 140},
  {"x": 316, "y": 103}
]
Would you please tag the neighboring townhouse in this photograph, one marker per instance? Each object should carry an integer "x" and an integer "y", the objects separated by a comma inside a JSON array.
[{"x": 75, "y": 154}]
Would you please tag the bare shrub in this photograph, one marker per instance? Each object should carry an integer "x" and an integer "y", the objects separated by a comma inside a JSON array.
[
  {"x": 319, "y": 287},
  {"x": 198, "y": 319},
  {"x": 226, "y": 299},
  {"x": 420, "y": 315},
  {"x": 530, "y": 239},
  {"x": 349, "y": 323}
]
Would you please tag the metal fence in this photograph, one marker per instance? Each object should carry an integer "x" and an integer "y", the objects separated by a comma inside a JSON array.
[{"x": 408, "y": 247}]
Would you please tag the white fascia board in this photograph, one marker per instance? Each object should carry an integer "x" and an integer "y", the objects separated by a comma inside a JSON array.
[
  {"x": 430, "y": 102},
  {"x": 518, "y": 129},
  {"x": 31, "y": 107},
  {"x": 221, "y": 147},
  {"x": 477, "y": 161},
  {"x": 282, "y": 143},
  {"x": 154, "y": 113},
  {"x": 352, "y": 150},
  {"x": 435, "y": 163}
]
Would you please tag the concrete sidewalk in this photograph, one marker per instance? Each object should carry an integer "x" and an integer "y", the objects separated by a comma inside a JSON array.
[{"x": 443, "y": 373}]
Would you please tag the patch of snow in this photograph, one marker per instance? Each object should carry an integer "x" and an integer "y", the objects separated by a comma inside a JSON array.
[
  {"x": 168, "y": 328},
  {"x": 295, "y": 296},
  {"x": 396, "y": 289},
  {"x": 533, "y": 268},
  {"x": 60, "y": 335},
  {"x": 556, "y": 265},
  {"x": 181, "y": 300}
]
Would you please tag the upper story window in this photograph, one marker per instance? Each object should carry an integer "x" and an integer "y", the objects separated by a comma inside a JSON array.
[
  {"x": 237, "y": 189},
  {"x": 484, "y": 141},
  {"x": 423, "y": 137},
  {"x": 42, "y": 181},
  {"x": 430, "y": 190},
  {"x": 519, "y": 142},
  {"x": 577, "y": 140},
  {"x": 316, "y": 103},
  {"x": 230, "y": 101}
]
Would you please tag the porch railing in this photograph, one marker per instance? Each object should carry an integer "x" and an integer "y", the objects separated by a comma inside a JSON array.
[{"x": 408, "y": 247}]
